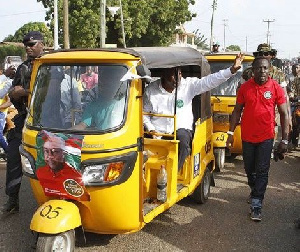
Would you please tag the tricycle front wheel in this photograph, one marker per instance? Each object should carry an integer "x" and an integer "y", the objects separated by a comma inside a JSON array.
[
  {"x": 58, "y": 242},
  {"x": 220, "y": 158}
]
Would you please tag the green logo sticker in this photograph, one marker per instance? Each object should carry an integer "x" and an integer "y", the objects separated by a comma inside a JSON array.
[{"x": 179, "y": 104}]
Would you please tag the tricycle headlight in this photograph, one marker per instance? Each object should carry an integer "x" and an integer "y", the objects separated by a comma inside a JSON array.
[
  {"x": 28, "y": 162},
  {"x": 108, "y": 171},
  {"x": 102, "y": 172},
  {"x": 26, "y": 165}
]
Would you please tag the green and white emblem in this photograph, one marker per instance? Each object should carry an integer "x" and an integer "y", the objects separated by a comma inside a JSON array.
[{"x": 179, "y": 104}]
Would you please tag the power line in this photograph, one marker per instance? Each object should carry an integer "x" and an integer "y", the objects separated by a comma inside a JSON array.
[{"x": 21, "y": 13}]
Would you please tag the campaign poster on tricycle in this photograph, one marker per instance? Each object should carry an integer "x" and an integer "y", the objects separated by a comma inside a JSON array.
[{"x": 58, "y": 165}]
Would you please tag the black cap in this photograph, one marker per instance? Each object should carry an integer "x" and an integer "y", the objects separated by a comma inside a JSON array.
[{"x": 33, "y": 35}]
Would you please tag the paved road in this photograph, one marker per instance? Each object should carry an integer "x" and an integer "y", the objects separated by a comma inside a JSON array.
[{"x": 222, "y": 224}]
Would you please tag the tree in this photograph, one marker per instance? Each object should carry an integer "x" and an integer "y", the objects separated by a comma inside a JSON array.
[
  {"x": 233, "y": 48},
  {"x": 32, "y": 26},
  {"x": 10, "y": 50},
  {"x": 200, "y": 41},
  {"x": 146, "y": 23},
  {"x": 157, "y": 22}
]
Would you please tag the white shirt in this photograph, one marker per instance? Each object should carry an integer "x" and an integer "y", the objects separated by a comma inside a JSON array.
[
  {"x": 7, "y": 85},
  {"x": 70, "y": 99},
  {"x": 157, "y": 100}
]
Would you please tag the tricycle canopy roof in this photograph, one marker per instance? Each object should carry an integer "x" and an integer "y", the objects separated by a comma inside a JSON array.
[
  {"x": 163, "y": 57},
  {"x": 190, "y": 60},
  {"x": 168, "y": 57}
]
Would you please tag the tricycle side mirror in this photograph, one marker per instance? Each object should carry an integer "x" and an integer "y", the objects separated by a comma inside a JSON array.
[{"x": 144, "y": 72}]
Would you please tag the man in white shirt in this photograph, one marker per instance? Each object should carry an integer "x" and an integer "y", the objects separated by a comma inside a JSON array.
[
  {"x": 159, "y": 98},
  {"x": 70, "y": 102},
  {"x": 6, "y": 78}
]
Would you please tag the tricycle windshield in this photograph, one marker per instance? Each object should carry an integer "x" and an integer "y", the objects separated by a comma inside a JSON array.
[
  {"x": 228, "y": 88},
  {"x": 79, "y": 97}
]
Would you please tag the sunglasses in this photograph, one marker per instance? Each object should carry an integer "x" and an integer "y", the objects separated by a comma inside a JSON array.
[
  {"x": 53, "y": 151},
  {"x": 261, "y": 53},
  {"x": 30, "y": 44}
]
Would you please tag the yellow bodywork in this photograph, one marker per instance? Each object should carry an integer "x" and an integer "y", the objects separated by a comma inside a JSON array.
[
  {"x": 227, "y": 56},
  {"x": 55, "y": 216},
  {"x": 120, "y": 208},
  {"x": 166, "y": 153},
  {"x": 112, "y": 209},
  {"x": 224, "y": 105}
]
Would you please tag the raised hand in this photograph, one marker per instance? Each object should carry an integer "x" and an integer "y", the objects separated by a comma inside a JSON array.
[
  {"x": 10, "y": 72},
  {"x": 237, "y": 63}
]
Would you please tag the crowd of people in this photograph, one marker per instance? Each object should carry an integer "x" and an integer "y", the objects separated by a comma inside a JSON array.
[{"x": 263, "y": 101}]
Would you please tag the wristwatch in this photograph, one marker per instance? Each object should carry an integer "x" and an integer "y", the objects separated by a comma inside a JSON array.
[
  {"x": 285, "y": 141},
  {"x": 230, "y": 133}
]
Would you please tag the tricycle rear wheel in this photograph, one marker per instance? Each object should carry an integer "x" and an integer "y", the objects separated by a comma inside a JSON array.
[
  {"x": 59, "y": 242},
  {"x": 201, "y": 193}
]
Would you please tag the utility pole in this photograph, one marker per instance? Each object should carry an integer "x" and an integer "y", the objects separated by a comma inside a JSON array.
[
  {"x": 214, "y": 7},
  {"x": 122, "y": 24},
  {"x": 55, "y": 26},
  {"x": 268, "y": 32},
  {"x": 225, "y": 24},
  {"x": 246, "y": 44},
  {"x": 102, "y": 23},
  {"x": 66, "y": 24}
]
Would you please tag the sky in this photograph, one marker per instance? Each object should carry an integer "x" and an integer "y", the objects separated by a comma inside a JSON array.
[
  {"x": 244, "y": 25},
  {"x": 15, "y": 13}
]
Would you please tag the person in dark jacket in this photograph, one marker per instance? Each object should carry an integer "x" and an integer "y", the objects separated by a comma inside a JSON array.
[{"x": 33, "y": 42}]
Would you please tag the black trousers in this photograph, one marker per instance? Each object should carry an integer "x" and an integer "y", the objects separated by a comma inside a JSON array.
[
  {"x": 257, "y": 158},
  {"x": 14, "y": 166},
  {"x": 185, "y": 137}
]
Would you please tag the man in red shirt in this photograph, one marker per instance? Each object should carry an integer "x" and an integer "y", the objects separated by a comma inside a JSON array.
[
  {"x": 89, "y": 79},
  {"x": 256, "y": 101},
  {"x": 57, "y": 177}
]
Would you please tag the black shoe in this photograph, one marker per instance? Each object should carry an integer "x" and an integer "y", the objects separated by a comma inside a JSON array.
[
  {"x": 255, "y": 214},
  {"x": 11, "y": 206},
  {"x": 3, "y": 156},
  {"x": 278, "y": 156}
]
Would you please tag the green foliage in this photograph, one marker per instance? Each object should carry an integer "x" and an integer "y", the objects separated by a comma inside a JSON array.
[
  {"x": 154, "y": 23},
  {"x": 200, "y": 40},
  {"x": 146, "y": 23},
  {"x": 9, "y": 38},
  {"x": 11, "y": 50},
  {"x": 233, "y": 48},
  {"x": 32, "y": 26},
  {"x": 84, "y": 22}
]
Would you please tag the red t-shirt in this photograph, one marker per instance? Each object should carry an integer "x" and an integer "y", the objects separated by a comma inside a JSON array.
[
  {"x": 66, "y": 183},
  {"x": 90, "y": 80},
  {"x": 258, "y": 118}
]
